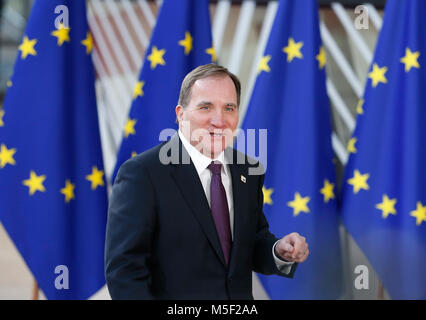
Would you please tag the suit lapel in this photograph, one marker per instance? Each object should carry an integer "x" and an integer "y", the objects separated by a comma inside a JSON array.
[
  {"x": 189, "y": 184},
  {"x": 240, "y": 194}
]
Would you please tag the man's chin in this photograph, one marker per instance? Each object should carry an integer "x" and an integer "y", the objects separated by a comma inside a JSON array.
[
  {"x": 213, "y": 146},
  {"x": 212, "y": 152}
]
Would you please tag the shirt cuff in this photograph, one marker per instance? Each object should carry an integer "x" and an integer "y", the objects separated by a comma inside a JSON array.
[{"x": 282, "y": 266}]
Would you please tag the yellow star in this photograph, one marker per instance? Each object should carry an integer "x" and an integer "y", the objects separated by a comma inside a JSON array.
[
  {"x": 351, "y": 145},
  {"x": 88, "y": 42},
  {"x": 1, "y": 118},
  {"x": 62, "y": 34},
  {"x": 137, "y": 90},
  {"x": 96, "y": 178},
  {"x": 410, "y": 59},
  {"x": 321, "y": 58},
  {"x": 419, "y": 213},
  {"x": 378, "y": 75},
  {"x": 156, "y": 57},
  {"x": 27, "y": 47},
  {"x": 327, "y": 190},
  {"x": 293, "y": 50},
  {"x": 35, "y": 183},
  {"x": 134, "y": 154},
  {"x": 129, "y": 128},
  {"x": 359, "y": 181},
  {"x": 186, "y": 43},
  {"x": 6, "y": 156},
  {"x": 9, "y": 83},
  {"x": 359, "y": 109},
  {"x": 267, "y": 195},
  {"x": 68, "y": 191},
  {"x": 211, "y": 51},
  {"x": 263, "y": 64},
  {"x": 387, "y": 206},
  {"x": 299, "y": 204}
]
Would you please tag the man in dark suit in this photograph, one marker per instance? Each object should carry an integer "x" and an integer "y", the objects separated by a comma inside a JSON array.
[{"x": 185, "y": 218}]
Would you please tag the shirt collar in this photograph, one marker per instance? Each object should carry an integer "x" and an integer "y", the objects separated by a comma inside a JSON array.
[{"x": 201, "y": 162}]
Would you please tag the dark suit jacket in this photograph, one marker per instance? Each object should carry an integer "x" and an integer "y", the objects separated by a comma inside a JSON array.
[{"x": 161, "y": 240}]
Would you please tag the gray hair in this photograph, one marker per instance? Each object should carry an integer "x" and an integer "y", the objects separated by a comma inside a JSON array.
[{"x": 202, "y": 72}]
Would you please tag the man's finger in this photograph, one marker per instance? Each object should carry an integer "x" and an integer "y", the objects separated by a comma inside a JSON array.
[
  {"x": 288, "y": 257},
  {"x": 303, "y": 257},
  {"x": 288, "y": 247},
  {"x": 299, "y": 245}
]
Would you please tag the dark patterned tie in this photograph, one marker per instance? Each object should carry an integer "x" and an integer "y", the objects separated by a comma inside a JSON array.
[{"x": 220, "y": 211}]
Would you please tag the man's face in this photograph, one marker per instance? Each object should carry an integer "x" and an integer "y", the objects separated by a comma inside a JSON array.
[{"x": 211, "y": 117}]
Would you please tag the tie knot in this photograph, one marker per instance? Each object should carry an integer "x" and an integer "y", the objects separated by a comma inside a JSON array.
[{"x": 215, "y": 167}]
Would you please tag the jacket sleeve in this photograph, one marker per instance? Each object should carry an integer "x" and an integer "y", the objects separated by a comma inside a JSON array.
[
  {"x": 129, "y": 233},
  {"x": 263, "y": 259}
]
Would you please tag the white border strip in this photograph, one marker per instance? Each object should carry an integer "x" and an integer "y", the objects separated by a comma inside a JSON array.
[
  {"x": 121, "y": 90},
  {"x": 116, "y": 13},
  {"x": 340, "y": 105},
  {"x": 112, "y": 38},
  {"x": 219, "y": 24},
  {"x": 240, "y": 36},
  {"x": 136, "y": 24},
  {"x": 374, "y": 16},
  {"x": 339, "y": 149},
  {"x": 341, "y": 61},
  {"x": 147, "y": 12},
  {"x": 348, "y": 25}
]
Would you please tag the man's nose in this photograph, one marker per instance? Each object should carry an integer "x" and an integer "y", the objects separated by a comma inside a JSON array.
[{"x": 218, "y": 119}]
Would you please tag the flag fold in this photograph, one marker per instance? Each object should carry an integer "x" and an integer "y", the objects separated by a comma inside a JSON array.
[
  {"x": 290, "y": 101},
  {"x": 53, "y": 200},
  {"x": 384, "y": 190}
]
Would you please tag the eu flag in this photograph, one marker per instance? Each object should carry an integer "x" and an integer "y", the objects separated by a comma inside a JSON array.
[
  {"x": 384, "y": 199},
  {"x": 53, "y": 201},
  {"x": 290, "y": 101},
  {"x": 181, "y": 41}
]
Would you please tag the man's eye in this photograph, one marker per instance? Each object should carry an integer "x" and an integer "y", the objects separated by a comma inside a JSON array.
[
  {"x": 204, "y": 107},
  {"x": 229, "y": 108}
]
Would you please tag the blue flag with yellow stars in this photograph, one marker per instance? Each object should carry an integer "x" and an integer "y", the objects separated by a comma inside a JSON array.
[
  {"x": 384, "y": 194},
  {"x": 181, "y": 41},
  {"x": 290, "y": 101},
  {"x": 53, "y": 200}
]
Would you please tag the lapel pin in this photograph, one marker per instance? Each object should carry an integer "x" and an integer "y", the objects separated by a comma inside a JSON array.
[{"x": 243, "y": 179}]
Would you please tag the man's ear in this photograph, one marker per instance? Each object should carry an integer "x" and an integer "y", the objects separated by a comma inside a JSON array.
[{"x": 179, "y": 113}]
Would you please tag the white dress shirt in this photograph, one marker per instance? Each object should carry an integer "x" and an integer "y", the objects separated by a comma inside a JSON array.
[{"x": 201, "y": 162}]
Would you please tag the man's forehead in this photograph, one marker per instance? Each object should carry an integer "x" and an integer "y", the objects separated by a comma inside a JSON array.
[
  {"x": 211, "y": 79},
  {"x": 205, "y": 84},
  {"x": 211, "y": 88}
]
